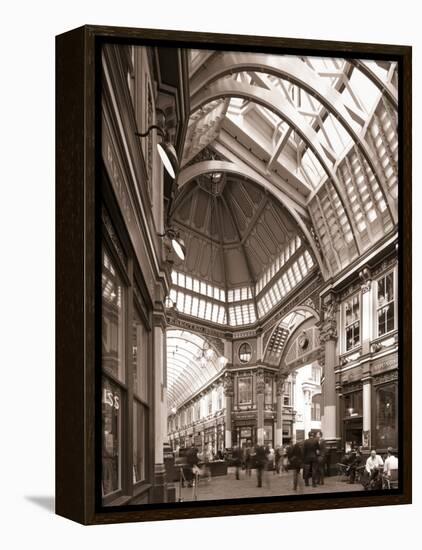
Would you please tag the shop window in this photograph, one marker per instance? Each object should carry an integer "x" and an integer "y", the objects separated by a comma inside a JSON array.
[
  {"x": 139, "y": 441},
  {"x": 385, "y": 304},
  {"x": 245, "y": 390},
  {"x": 139, "y": 357},
  {"x": 112, "y": 437},
  {"x": 113, "y": 315},
  {"x": 386, "y": 416},
  {"x": 268, "y": 435},
  {"x": 352, "y": 322},
  {"x": 352, "y": 404}
]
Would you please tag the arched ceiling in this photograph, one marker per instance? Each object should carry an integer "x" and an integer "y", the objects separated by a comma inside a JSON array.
[
  {"x": 233, "y": 230},
  {"x": 185, "y": 374},
  {"x": 319, "y": 134}
]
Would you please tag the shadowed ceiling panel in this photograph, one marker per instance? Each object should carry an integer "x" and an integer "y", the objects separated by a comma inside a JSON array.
[
  {"x": 237, "y": 269},
  {"x": 234, "y": 215}
]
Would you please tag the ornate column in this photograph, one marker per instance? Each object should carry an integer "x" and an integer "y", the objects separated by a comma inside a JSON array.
[
  {"x": 159, "y": 343},
  {"x": 328, "y": 341},
  {"x": 280, "y": 402},
  {"x": 366, "y": 412},
  {"x": 366, "y": 336},
  {"x": 260, "y": 390},
  {"x": 228, "y": 393},
  {"x": 307, "y": 417},
  {"x": 366, "y": 319}
]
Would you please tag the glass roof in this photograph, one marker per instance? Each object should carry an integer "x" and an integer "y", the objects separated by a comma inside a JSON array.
[
  {"x": 319, "y": 135},
  {"x": 185, "y": 373}
]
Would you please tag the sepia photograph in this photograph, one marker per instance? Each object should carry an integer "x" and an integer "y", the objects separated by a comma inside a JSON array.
[{"x": 250, "y": 275}]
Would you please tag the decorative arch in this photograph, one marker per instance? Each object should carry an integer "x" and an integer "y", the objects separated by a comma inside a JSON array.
[
  {"x": 185, "y": 375},
  {"x": 276, "y": 343}
]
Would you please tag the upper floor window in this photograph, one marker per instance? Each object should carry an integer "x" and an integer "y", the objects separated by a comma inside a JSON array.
[
  {"x": 245, "y": 389},
  {"x": 287, "y": 398},
  {"x": 352, "y": 322},
  {"x": 316, "y": 374},
  {"x": 268, "y": 394},
  {"x": 385, "y": 304},
  {"x": 209, "y": 404},
  {"x": 220, "y": 398}
]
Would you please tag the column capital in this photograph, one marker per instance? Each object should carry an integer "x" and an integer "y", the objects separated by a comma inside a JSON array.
[
  {"x": 328, "y": 331},
  {"x": 280, "y": 381},
  {"x": 328, "y": 324},
  {"x": 159, "y": 319},
  {"x": 260, "y": 381},
  {"x": 228, "y": 385},
  {"x": 366, "y": 278}
]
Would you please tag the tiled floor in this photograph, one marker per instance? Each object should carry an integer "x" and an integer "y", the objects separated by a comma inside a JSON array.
[{"x": 223, "y": 487}]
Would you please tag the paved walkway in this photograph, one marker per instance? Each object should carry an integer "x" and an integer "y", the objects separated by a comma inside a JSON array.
[{"x": 224, "y": 487}]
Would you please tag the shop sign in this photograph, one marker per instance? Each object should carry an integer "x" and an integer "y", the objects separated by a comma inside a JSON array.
[{"x": 111, "y": 399}]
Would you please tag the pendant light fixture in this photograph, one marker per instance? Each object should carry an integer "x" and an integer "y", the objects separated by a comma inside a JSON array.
[{"x": 165, "y": 148}]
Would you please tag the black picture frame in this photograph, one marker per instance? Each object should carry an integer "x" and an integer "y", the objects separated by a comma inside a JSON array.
[{"x": 77, "y": 256}]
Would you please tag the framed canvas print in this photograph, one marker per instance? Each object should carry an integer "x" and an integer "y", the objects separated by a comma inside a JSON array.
[{"x": 233, "y": 275}]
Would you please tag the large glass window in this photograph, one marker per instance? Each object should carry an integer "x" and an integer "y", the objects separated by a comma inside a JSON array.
[
  {"x": 268, "y": 393},
  {"x": 386, "y": 416},
  {"x": 139, "y": 442},
  {"x": 113, "y": 312},
  {"x": 316, "y": 408},
  {"x": 352, "y": 404},
  {"x": 245, "y": 389},
  {"x": 113, "y": 366},
  {"x": 352, "y": 322},
  {"x": 385, "y": 304},
  {"x": 268, "y": 435},
  {"x": 287, "y": 397},
  {"x": 112, "y": 437}
]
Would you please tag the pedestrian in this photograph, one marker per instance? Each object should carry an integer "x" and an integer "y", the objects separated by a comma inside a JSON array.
[
  {"x": 310, "y": 460},
  {"x": 285, "y": 459},
  {"x": 192, "y": 461},
  {"x": 249, "y": 457},
  {"x": 321, "y": 455},
  {"x": 278, "y": 459},
  {"x": 295, "y": 457},
  {"x": 260, "y": 463},
  {"x": 237, "y": 459}
]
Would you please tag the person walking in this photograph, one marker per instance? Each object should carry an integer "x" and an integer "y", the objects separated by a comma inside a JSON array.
[
  {"x": 278, "y": 459},
  {"x": 309, "y": 460},
  {"x": 295, "y": 456},
  {"x": 249, "y": 456},
  {"x": 237, "y": 459},
  {"x": 321, "y": 454},
  {"x": 261, "y": 462}
]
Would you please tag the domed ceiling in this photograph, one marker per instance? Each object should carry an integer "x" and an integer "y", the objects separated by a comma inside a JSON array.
[{"x": 233, "y": 230}]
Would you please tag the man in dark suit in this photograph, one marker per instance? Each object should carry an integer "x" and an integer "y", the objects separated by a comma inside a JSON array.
[
  {"x": 321, "y": 455},
  {"x": 295, "y": 456},
  {"x": 309, "y": 460}
]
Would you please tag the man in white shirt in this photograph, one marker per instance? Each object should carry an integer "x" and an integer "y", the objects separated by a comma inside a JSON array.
[
  {"x": 391, "y": 463},
  {"x": 374, "y": 461}
]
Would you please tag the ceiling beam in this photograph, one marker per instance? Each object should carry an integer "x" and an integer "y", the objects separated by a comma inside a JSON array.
[{"x": 279, "y": 106}]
